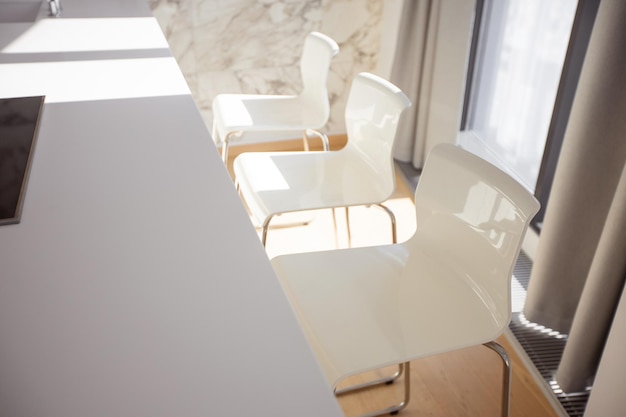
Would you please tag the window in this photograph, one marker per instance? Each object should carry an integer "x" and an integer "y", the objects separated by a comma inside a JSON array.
[
  {"x": 519, "y": 60},
  {"x": 513, "y": 115}
]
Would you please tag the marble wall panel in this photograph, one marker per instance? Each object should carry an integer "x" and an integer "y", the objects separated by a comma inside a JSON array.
[{"x": 254, "y": 46}]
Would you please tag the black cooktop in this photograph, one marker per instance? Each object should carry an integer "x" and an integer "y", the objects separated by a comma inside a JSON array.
[{"x": 19, "y": 119}]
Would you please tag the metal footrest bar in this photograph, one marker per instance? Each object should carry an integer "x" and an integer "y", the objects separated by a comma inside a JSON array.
[
  {"x": 394, "y": 409},
  {"x": 385, "y": 380}
]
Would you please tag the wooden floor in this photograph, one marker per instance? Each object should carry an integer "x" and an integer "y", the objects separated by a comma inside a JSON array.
[
  {"x": 462, "y": 383},
  {"x": 457, "y": 384}
]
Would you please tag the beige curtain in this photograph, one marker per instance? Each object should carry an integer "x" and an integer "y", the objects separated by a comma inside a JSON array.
[
  {"x": 430, "y": 66},
  {"x": 607, "y": 397},
  {"x": 580, "y": 266}
]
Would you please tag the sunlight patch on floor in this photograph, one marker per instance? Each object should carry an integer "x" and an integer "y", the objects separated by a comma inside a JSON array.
[{"x": 313, "y": 230}]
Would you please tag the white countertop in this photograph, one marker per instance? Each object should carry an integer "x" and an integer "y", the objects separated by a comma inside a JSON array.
[{"x": 134, "y": 284}]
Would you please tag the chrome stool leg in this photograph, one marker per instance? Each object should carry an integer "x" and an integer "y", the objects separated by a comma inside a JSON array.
[
  {"x": 348, "y": 227},
  {"x": 392, "y": 217},
  {"x": 226, "y": 143},
  {"x": 266, "y": 225},
  {"x": 313, "y": 132},
  {"x": 394, "y": 409},
  {"x": 506, "y": 375}
]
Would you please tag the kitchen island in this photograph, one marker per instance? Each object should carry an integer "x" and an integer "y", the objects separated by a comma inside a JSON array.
[{"x": 134, "y": 283}]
